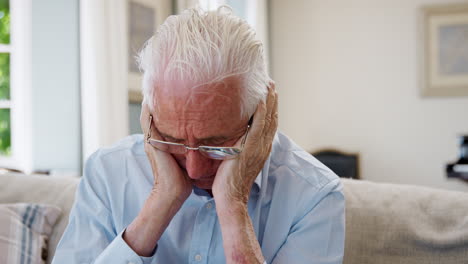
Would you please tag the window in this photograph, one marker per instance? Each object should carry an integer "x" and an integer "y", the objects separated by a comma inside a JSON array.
[
  {"x": 15, "y": 79},
  {"x": 5, "y": 104}
]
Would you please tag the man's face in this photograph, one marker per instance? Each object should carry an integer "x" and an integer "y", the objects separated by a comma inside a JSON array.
[{"x": 206, "y": 115}]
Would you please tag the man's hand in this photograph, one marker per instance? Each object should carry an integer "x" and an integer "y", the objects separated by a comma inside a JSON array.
[
  {"x": 169, "y": 179},
  {"x": 170, "y": 190},
  {"x": 234, "y": 179}
]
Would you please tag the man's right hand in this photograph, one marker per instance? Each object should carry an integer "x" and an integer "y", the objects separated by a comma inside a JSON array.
[
  {"x": 169, "y": 179},
  {"x": 170, "y": 190}
]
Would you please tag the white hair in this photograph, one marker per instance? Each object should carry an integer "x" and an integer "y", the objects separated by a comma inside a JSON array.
[{"x": 205, "y": 48}]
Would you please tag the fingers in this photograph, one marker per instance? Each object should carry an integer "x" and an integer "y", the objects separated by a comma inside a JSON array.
[
  {"x": 273, "y": 113},
  {"x": 271, "y": 104},
  {"x": 258, "y": 123},
  {"x": 270, "y": 116},
  {"x": 265, "y": 120}
]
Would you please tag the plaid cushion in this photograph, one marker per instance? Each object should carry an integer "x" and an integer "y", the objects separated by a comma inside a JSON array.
[{"x": 24, "y": 230}]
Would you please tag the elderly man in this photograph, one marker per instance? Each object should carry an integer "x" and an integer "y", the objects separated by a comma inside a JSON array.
[{"x": 210, "y": 181}]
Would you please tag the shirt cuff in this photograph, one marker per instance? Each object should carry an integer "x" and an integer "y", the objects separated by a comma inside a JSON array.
[{"x": 119, "y": 252}]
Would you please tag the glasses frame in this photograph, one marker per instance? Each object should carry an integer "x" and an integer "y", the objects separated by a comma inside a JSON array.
[{"x": 205, "y": 150}]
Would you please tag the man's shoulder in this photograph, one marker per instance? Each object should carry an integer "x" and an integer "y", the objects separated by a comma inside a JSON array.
[
  {"x": 297, "y": 182},
  {"x": 298, "y": 165},
  {"x": 298, "y": 178},
  {"x": 130, "y": 145}
]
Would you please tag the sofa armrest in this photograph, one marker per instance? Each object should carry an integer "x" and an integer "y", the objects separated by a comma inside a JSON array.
[
  {"x": 396, "y": 223},
  {"x": 53, "y": 190}
]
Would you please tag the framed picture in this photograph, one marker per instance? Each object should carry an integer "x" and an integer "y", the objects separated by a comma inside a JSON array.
[
  {"x": 144, "y": 16},
  {"x": 446, "y": 50}
]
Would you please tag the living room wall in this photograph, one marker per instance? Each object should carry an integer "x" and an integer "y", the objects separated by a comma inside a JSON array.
[{"x": 348, "y": 75}]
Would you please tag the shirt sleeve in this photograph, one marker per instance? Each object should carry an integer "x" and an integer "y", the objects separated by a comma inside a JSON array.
[
  {"x": 318, "y": 238},
  {"x": 90, "y": 236}
]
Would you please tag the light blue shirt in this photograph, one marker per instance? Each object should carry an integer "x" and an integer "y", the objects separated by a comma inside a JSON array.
[{"x": 296, "y": 206}]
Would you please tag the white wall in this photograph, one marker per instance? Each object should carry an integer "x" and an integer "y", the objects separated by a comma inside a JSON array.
[
  {"x": 348, "y": 77},
  {"x": 55, "y": 110}
]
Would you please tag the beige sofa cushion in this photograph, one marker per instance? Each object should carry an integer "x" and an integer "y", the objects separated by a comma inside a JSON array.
[
  {"x": 58, "y": 191},
  {"x": 24, "y": 232},
  {"x": 385, "y": 223},
  {"x": 389, "y": 223}
]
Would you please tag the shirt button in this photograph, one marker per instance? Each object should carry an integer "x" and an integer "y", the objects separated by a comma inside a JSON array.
[
  {"x": 209, "y": 205},
  {"x": 198, "y": 257}
]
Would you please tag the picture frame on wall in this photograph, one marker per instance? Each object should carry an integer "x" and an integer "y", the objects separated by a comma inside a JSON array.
[
  {"x": 144, "y": 17},
  {"x": 445, "y": 50}
]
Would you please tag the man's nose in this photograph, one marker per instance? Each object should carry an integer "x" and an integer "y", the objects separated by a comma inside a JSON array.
[{"x": 197, "y": 165}]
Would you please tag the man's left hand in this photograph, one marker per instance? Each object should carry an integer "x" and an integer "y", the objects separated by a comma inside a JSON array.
[{"x": 235, "y": 177}]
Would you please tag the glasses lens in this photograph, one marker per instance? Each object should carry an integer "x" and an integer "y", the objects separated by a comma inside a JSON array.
[
  {"x": 220, "y": 153},
  {"x": 167, "y": 146}
]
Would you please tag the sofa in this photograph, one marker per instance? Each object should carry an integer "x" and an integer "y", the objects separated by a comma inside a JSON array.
[{"x": 385, "y": 223}]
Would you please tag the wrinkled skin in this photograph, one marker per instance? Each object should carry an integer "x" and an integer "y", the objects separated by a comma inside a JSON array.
[
  {"x": 235, "y": 177},
  {"x": 208, "y": 115}
]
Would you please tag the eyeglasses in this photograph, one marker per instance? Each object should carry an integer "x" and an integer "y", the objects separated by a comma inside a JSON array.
[{"x": 212, "y": 152}]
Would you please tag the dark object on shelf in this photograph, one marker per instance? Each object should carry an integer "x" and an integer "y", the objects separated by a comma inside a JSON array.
[
  {"x": 343, "y": 164},
  {"x": 460, "y": 168}
]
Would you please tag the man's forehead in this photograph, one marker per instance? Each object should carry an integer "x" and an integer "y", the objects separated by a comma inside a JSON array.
[
  {"x": 203, "y": 111},
  {"x": 175, "y": 121},
  {"x": 179, "y": 97},
  {"x": 229, "y": 87}
]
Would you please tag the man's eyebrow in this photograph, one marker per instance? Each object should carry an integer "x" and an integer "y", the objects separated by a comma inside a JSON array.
[
  {"x": 166, "y": 136},
  {"x": 214, "y": 139},
  {"x": 208, "y": 139}
]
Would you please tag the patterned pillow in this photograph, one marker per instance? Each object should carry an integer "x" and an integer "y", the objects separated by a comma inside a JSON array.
[{"x": 24, "y": 230}]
